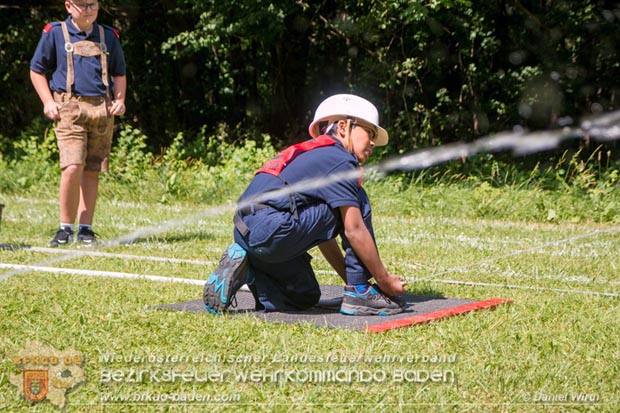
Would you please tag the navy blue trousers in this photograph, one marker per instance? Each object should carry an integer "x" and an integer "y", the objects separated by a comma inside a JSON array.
[{"x": 277, "y": 244}]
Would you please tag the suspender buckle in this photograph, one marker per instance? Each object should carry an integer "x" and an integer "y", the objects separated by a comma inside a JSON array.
[{"x": 69, "y": 47}]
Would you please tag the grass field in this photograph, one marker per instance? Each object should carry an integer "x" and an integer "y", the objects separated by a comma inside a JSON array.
[{"x": 555, "y": 348}]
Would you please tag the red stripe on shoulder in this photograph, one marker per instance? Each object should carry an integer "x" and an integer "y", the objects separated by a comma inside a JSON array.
[
  {"x": 47, "y": 28},
  {"x": 116, "y": 33}
]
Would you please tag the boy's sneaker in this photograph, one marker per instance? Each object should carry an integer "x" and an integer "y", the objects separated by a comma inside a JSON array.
[
  {"x": 223, "y": 283},
  {"x": 63, "y": 236},
  {"x": 371, "y": 302},
  {"x": 87, "y": 236}
]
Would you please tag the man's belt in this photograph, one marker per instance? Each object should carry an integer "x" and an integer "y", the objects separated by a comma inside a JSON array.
[
  {"x": 245, "y": 211},
  {"x": 251, "y": 209},
  {"x": 66, "y": 97}
]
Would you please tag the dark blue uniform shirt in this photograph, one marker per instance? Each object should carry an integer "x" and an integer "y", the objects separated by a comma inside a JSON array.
[
  {"x": 50, "y": 56},
  {"x": 316, "y": 164}
]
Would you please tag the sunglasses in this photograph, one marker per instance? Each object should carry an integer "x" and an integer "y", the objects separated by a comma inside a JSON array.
[{"x": 369, "y": 130}]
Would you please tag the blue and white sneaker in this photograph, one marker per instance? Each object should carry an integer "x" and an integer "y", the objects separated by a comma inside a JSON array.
[
  {"x": 223, "y": 283},
  {"x": 370, "y": 302}
]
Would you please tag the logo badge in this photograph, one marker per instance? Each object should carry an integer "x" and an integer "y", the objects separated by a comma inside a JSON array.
[
  {"x": 36, "y": 383},
  {"x": 47, "y": 373}
]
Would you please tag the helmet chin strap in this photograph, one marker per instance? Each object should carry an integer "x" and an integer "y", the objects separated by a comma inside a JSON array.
[{"x": 347, "y": 142}]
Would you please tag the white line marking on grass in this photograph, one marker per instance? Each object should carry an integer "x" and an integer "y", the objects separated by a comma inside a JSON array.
[
  {"x": 492, "y": 243},
  {"x": 496, "y": 271},
  {"x": 123, "y": 256},
  {"x": 519, "y": 252},
  {"x": 108, "y": 274},
  {"x": 400, "y": 220},
  {"x": 32, "y": 201},
  {"x": 525, "y": 287}
]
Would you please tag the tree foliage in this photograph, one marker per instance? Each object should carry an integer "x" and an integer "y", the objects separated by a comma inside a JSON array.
[{"x": 439, "y": 70}]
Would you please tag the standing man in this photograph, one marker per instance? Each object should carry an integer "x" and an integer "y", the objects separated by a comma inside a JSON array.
[
  {"x": 275, "y": 228},
  {"x": 86, "y": 65}
]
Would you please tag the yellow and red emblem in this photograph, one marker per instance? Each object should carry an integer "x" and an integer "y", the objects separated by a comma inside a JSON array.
[{"x": 36, "y": 383}]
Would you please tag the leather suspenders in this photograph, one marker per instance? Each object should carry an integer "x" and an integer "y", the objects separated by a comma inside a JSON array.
[{"x": 85, "y": 48}]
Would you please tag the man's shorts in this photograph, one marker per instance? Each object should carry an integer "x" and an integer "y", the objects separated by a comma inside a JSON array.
[{"x": 84, "y": 131}]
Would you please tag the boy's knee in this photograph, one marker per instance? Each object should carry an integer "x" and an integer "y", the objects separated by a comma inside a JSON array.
[
  {"x": 72, "y": 169},
  {"x": 305, "y": 298}
]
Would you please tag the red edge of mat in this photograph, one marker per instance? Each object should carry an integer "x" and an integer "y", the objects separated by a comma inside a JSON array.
[{"x": 437, "y": 315}]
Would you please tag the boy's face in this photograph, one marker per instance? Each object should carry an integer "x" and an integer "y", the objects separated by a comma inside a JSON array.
[
  {"x": 363, "y": 139},
  {"x": 83, "y": 12}
]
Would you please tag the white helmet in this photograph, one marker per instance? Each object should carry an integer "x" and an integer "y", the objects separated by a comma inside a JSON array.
[{"x": 342, "y": 106}]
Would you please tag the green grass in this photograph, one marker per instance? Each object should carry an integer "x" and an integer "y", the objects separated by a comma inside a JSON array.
[{"x": 536, "y": 354}]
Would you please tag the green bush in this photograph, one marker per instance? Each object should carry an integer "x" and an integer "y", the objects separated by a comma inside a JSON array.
[
  {"x": 129, "y": 159},
  {"x": 215, "y": 183},
  {"x": 31, "y": 162}
]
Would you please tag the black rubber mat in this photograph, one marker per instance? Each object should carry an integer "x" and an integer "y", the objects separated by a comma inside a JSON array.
[{"x": 419, "y": 310}]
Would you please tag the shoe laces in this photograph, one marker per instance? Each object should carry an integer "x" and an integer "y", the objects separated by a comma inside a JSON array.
[
  {"x": 62, "y": 230},
  {"x": 87, "y": 231},
  {"x": 380, "y": 294}
]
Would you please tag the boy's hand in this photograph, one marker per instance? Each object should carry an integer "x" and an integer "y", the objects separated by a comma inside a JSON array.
[
  {"x": 117, "y": 108},
  {"x": 392, "y": 285},
  {"x": 50, "y": 109}
]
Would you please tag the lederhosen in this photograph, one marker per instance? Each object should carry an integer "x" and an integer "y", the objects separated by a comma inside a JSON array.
[{"x": 85, "y": 114}]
